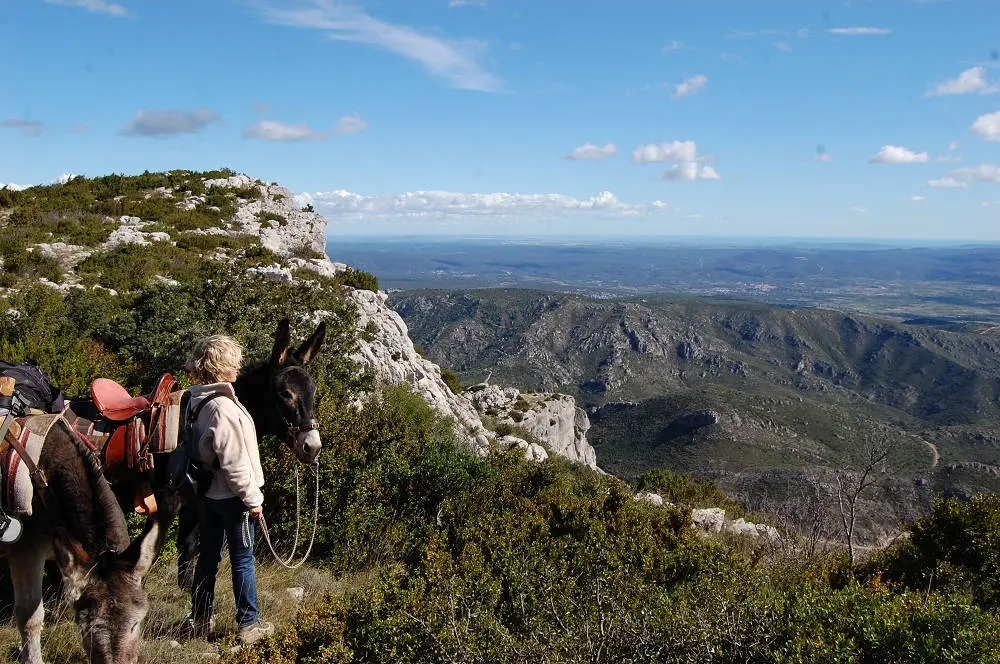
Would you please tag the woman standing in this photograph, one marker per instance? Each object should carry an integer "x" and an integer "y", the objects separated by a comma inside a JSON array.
[{"x": 227, "y": 443}]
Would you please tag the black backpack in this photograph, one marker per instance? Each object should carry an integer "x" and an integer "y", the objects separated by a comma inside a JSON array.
[
  {"x": 185, "y": 472},
  {"x": 32, "y": 388}
]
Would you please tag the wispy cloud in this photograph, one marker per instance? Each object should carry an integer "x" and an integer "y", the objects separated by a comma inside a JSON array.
[
  {"x": 96, "y": 6},
  {"x": 690, "y": 170},
  {"x": 947, "y": 182},
  {"x": 467, "y": 3},
  {"x": 981, "y": 173},
  {"x": 782, "y": 46},
  {"x": 455, "y": 61},
  {"x": 674, "y": 45},
  {"x": 690, "y": 86},
  {"x": 652, "y": 153},
  {"x": 858, "y": 209},
  {"x": 969, "y": 81},
  {"x": 894, "y": 154},
  {"x": 26, "y": 126},
  {"x": 270, "y": 130},
  {"x": 823, "y": 157},
  {"x": 262, "y": 107},
  {"x": 591, "y": 151},
  {"x": 169, "y": 122},
  {"x": 684, "y": 152},
  {"x": 952, "y": 145},
  {"x": 343, "y": 205},
  {"x": 917, "y": 199},
  {"x": 859, "y": 31},
  {"x": 988, "y": 126},
  {"x": 350, "y": 124}
]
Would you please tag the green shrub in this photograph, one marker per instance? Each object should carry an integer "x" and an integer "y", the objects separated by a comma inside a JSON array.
[
  {"x": 266, "y": 219},
  {"x": 358, "y": 279},
  {"x": 450, "y": 379}
]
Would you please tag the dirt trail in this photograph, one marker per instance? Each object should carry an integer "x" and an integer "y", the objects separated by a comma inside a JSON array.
[{"x": 934, "y": 451}]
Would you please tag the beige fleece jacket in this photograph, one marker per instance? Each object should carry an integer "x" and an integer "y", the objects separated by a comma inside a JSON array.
[{"x": 226, "y": 434}]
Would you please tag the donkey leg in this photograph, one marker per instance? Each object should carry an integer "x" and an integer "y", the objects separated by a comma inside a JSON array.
[
  {"x": 26, "y": 570},
  {"x": 187, "y": 544}
]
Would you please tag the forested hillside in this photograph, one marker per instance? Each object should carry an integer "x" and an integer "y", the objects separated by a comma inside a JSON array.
[{"x": 463, "y": 557}]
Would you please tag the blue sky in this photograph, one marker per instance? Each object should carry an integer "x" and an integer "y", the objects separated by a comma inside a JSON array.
[{"x": 877, "y": 118}]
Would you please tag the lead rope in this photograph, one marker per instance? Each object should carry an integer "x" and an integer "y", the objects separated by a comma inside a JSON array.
[{"x": 287, "y": 563}]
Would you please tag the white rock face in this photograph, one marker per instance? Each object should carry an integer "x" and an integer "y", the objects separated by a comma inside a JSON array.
[
  {"x": 385, "y": 348},
  {"x": 648, "y": 497},
  {"x": 299, "y": 229},
  {"x": 532, "y": 451},
  {"x": 710, "y": 520},
  {"x": 67, "y": 255},
  {"x": 749, "y": 529},
  {"x": 130, "y": 231},
  {"x": 553, "y": 419}
]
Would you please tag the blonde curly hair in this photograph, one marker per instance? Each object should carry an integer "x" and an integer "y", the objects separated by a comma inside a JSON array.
[{"x": 214, "y": 358}]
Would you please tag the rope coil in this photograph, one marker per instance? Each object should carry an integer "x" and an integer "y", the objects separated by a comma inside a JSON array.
[{"x": 287, "y": 562}]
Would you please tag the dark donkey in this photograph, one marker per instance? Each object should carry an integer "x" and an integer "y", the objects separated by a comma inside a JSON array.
[
  {"x": 76, "y": 521},
  {"x": 280, "y": 396}
]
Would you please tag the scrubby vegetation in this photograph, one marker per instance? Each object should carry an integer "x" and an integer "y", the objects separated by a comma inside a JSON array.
[{"x": 458, "y": 558}]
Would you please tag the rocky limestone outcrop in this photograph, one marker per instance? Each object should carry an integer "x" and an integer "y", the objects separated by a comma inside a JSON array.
[
  {"x": 554, "y": 419},
  {"x": 283, "y": 227},
  {"x": 385, "y": 348}
]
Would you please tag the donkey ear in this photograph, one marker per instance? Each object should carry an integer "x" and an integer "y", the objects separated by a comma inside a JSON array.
[
  {"x": 282, "y": 339},
  {"x": 144, "y": 549},
  {"x": 73, "y": 562},
  {"x": 307, "y": 351}
]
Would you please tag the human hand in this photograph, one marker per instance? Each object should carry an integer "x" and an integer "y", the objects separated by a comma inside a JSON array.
[{"x": 257, "y": 512}]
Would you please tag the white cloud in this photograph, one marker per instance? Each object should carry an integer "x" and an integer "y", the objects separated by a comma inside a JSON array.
[
  {"x": 455, "y": 61},
  {"x": 97, "y": 6},
  {"x": 782, "y": 46},
  {"x": 591, "y": 151},
  {"x": 859, "y": 31},
  {"x": 14, "y": 187},
  {"x": 894, "y": 154},
  {"x": 988, "y": 126},
  {"x": 674, "y": 45},
  {"x": 857, "y": 209},
  {"x": 802, "y": 32},
  {"x": 467, "y": 3},
  {"x": 350, "y": 124},
  {"x": 917, "y": 198},
  {"x": 947, "y": 183},
  {"x": 731, "y": 57},
  {"x": 690, "y": 86},
  {"x": 981, "y": 173},
  {"x": 343, "y": 205},
  {"x": 948, "y": 159},
  {"x": 659, "y": 152},
  {"x": 169, "y": 122},
  {"x": 969, "y": 81},
  {"x": 953, "y": 145},
  {"x": 64, "y": 178},
  {"x": 269, "y": 130},
  {"x": 690, "y": 170},
  {"x": 823, "y": 157}
]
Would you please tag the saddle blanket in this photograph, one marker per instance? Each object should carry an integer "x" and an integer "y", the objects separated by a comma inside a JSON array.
[{"x": 16, "y": 490}]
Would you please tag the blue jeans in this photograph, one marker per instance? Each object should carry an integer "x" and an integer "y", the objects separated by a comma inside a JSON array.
[{"x": 221, "y": 521}]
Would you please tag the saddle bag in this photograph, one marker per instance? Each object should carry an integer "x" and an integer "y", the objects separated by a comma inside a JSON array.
[{"x": 32, "y": 389}]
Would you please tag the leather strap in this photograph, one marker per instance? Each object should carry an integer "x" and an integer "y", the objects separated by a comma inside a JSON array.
[{"x": 34, "y": 472}]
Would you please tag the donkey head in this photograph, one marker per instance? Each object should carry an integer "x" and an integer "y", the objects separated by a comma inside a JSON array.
[
  {"x": 293, "y": 391},
  {"x": 107, "y": 593}
]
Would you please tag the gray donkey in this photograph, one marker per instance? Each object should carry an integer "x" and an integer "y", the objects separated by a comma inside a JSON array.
[{"x": 77, "y": 522}]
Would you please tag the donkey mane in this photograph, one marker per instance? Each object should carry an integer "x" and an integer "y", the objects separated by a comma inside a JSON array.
[{"x": 88, "y": 508}]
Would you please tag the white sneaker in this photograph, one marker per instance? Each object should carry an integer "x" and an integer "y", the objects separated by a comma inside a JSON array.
[{"x": 253, "y": 633}]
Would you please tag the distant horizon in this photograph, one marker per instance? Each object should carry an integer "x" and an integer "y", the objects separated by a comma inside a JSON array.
[{"x": 697, "y": 240}]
